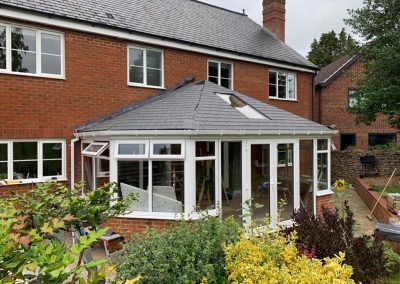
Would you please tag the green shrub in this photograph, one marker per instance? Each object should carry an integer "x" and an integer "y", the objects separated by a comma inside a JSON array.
[
  {"x": 392, "y": 263},
  {"x": 185, "y": 253},
  {"x": 334, "y": 233}
]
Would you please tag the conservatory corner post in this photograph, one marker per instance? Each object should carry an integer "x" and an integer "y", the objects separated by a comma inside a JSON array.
[{"x": 190, "y": 177}]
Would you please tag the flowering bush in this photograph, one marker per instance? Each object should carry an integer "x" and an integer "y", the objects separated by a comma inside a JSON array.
[{"x": 273, "y": 258}]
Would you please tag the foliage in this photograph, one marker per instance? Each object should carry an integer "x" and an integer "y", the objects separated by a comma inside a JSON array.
[
  {"x": 378, "y": 23},
  {"x": 185, "y": 253},
  {"x": 330, "y": 47},
  {"x": 392, "y": 264},
  {"x": 334, "y": 233},
  {"x": 273, "y": 258},
  {"x": 391, "y": 147},
  {"x": 32, "y": 223}
]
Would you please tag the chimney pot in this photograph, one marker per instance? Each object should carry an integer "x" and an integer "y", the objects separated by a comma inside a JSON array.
[{"x": 274, "y": 17}]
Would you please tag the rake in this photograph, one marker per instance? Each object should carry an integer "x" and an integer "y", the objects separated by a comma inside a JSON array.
[{"x": 369, "y": 216}]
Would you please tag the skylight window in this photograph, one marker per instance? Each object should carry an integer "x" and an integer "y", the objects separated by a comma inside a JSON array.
[{"x": 241, "y": 106}]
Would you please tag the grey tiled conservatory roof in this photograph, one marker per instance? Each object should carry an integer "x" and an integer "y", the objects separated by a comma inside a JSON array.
[
  {"x": 188, "y": 21},
  {"x": 196, "y": 106}
]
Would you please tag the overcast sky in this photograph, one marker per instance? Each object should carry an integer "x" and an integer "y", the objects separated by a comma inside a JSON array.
[{"x": 305, "y": 19}]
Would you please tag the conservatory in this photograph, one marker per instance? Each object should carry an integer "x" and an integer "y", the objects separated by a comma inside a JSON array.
[{"x": 203, "y": 148}]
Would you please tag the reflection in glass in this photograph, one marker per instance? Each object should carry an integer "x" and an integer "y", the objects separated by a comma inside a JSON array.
[
  {"x": 51, "y": 44},
  {"x": 52, "y": 159},
  {"x": 3, "y": 161},
  {"x": 285, "y": 173},
  {"x": 3, "y": 53},
  {"x": 131, "y": 149},
  {"x": 322, "y": 171},
  {"x": 205, "y": 149},
  {"x": 154, "y": 59},
  {"x": 205, "y": 185},
  {"x": 167, "y": 149},
  {"x": 231, "y": 179},
  {"x": 168, "y": 186},
  {"x": 260, "y": 180},
  {"x": 154, "y": 77},
  {"x": 306, "y": 174},
  {"x": 23, "y": 44},
  {"x": 51, "y": 64}
]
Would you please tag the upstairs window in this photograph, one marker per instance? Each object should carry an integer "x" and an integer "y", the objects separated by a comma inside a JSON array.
[
  {"x": 31, "y": 51},
  {"x": 145, "y": 67},
  {"x": 282, "y": 85},
  {"x": 220, "y": 73}
]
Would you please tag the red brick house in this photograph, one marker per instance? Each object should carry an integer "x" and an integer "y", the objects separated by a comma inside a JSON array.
[
  {"x": 334, "y": 86},
  {"x": 90, "y": 91}
]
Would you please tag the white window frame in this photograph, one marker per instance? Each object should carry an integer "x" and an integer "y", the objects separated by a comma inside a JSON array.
[
  {"x": 104, "y": 146},
  {"x": 144, "y": 84},
  {"x": 38, "y": 52},
  {"x": 219, "y": 71},
  {"x": 40, "y": 160},
  {"x": 328, "y": 190},
  {"x": 287, "y": 85},
  {"x": 134, "y": 142},
  {"x": 167, "y": 157}
]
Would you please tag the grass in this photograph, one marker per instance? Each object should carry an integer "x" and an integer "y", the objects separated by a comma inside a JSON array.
[
  {"x": 393, "y": 279},
  {"x": 390, "y": 189}
]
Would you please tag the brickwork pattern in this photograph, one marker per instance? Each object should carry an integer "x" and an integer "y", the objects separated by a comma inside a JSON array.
[{"x": 334, "y": 109}]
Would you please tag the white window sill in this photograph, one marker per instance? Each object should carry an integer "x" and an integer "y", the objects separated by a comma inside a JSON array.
[
  {"x": 145, "y": 86},
  {"x": 47, "y": 76},
  {"x": 286, "y": 100},
  {"x": 324, "y": 192},
  {"x": 29, "y": 181}
]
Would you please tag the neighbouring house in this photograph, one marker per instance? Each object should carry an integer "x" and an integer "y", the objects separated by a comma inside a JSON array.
[
  {"x": 334, "y": 87},
  {"x": 96, "y": 91}
]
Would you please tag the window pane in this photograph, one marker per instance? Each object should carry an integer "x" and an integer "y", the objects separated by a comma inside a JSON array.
[
  {"x": 25, "y": 170},
  {"x": 154, "y": 77},
  {"x": 226, "y": 70},
  {"x": 136, "y": 74},
  {"x": 347, "y": 140},
  {"x": 52, "y": 150},
  {"x": 3, "y": 171},
  {"x": 205, "y": 149},
  {"x": 282, "y": 92},
  {"x": 23, "y": 61},
  {"x": 272, "y": 90},
  {"x": 306, "y": 175},
  {"x": 213, "y": 69},
  {"x": 51, "y": 44},
  {"x": 282, "y": 79},
  {"x": 285, "y": 171},
  {"x": 52, "y": 168},
  {"x": 322, "y": 171},
  {"x": 2, "y": 36},
  {"x": 3, "y": 152},
  {"x": 168, "y": 186},
  {"x": 51, "y": 64},
  {"x": 25, "y": 151},
  {"x": 93, "y": 148},
  {"x": 291, "y": 86},
  {"x": 213, "y": 80},
  {"x": 205, "y": 185},
  {"x": 135, "y": 57},
  {"x": 272, "y": 78},
  {"x": 154, "y": 59},
  {"x": 133, "y": 178},
  {"x": 322, "y": 144},
  {"x": 226, "y": 83},
  {"x": 131, "y": 149},
  {"x": 381, "y": 139},
  {"x": 3, "y": 58},
  {"x": 167, "y": 149},
  {"x": 23, "y": 39}
]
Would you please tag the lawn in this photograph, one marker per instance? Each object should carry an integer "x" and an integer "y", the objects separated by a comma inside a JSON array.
[
  {"x": 390, "y": 189},
  {"x": 394, "y": 279}
]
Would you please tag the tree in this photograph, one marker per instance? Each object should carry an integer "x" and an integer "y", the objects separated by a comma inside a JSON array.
[
  {"x": 378, "y": 22},
  {"x": 330, "y": 47}
]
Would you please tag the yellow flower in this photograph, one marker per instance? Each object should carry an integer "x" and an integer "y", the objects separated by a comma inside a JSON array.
[
  {"x": 136, "y": 280},
  {"x": 340, "y": 184}
]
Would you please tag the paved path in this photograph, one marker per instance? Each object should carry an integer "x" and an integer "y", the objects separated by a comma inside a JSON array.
[{"x": 360, "y": 210}]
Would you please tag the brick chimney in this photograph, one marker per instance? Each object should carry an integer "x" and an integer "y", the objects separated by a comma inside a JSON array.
[{"x": 274, "y": 12}]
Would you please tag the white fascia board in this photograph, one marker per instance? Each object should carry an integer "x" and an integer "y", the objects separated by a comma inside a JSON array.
[
  {"x": 92, "y": 28},
  {"x": 155, "y": 133}
]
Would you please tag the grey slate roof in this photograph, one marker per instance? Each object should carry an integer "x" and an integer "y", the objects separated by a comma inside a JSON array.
[
  {"x": 196, "y": 106},
  {"x": 333, "y": 70},
  {"x": 187, "y": 21}
]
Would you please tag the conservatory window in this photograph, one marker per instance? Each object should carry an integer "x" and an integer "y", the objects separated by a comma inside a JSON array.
[
  {"x": 136, "y": 149},
  {"x": 167, "y": 149},
  {"x": 323, "y": 164},
  {"x": 95, "y": 149}
]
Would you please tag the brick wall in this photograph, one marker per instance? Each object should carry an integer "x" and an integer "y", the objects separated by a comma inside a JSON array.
[
  {"x": 346, "y": 164},
  {"x": 96, "y": 84},
  {"x": 334, "y": 109}
]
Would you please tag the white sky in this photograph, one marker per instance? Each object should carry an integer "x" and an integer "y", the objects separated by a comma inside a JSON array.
[{"x": 305, "y": 19}]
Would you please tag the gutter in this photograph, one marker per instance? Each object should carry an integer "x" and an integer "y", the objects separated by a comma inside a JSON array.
[{"x": 221, "y": 132}]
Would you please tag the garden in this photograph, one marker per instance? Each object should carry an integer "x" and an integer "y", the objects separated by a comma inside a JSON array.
[{"x": 317, "y": 249}]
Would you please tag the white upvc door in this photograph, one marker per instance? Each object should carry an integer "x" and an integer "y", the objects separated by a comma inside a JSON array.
[{"x": 264, "y": 181}]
